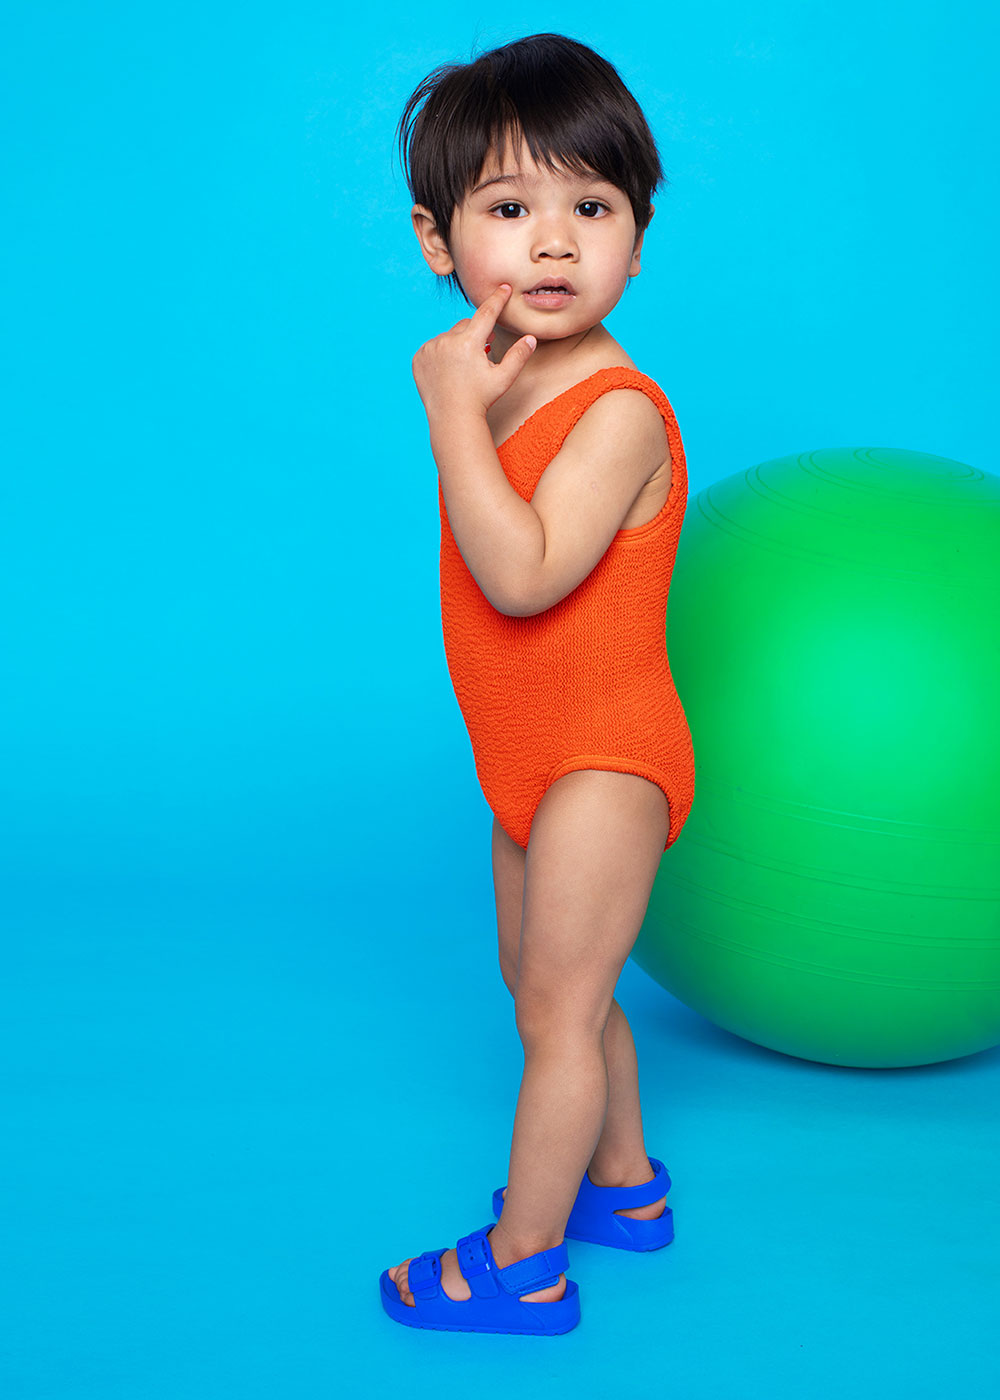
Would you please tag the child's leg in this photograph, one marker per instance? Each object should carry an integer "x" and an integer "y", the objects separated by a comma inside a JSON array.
[
  {"x": 620, "y": 1158},
  {"x": 594, "y": 852},
  {"x": 595, "y": 848}
]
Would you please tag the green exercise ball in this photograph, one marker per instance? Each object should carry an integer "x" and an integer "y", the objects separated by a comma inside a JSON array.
[{"x": 833, "y": 631}]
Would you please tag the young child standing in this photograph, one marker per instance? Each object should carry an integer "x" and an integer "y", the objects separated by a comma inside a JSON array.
[{"x": 562, "y": 491}]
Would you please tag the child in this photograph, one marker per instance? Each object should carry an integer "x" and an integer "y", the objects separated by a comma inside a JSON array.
[{"x": 562, "y": 492}]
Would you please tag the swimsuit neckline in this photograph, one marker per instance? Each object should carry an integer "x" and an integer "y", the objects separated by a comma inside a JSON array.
[{"x": 605, "y": 369}]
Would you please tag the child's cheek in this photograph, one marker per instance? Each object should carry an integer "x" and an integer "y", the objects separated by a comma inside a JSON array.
[{"x": 486, "y": 271}]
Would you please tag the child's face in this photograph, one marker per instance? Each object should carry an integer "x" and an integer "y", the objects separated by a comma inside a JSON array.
[{"x": 541, "y": 224}]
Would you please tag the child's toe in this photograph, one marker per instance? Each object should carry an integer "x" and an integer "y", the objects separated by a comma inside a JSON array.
[{"x": 400, "y": 1275}]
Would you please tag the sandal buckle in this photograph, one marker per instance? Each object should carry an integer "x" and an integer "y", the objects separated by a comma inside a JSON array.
[{"x": 473, "y": 1254}]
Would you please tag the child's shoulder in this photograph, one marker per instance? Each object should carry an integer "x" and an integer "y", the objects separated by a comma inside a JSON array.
[
  {"x": 610, "y": 401},
  {"x": 611, "y": 380},
  {"x": 615, "y": 413},
  {"x": 604, "y": 405},
  {"x": 624, "y": 430},
  {"x": 633, "y": 377}
]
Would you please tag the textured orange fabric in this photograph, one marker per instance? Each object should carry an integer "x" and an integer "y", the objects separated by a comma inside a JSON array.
[{"x": 586, "y": 683}]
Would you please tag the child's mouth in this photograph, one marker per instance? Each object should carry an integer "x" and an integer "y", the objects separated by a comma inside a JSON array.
[{"x": 550, "y": 298}]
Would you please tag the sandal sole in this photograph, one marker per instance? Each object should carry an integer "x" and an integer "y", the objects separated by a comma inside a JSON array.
[{"x": 556, "y": 1323}]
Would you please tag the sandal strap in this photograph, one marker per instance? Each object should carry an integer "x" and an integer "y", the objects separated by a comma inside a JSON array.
[
  {"x": 475, "y": 1259},
  {"x": 480, "y": 1269},
  {"x": 423, "y": 1275},
  {"x": 614, "y": 1198},
  {"x": 539, "y": 1270}
]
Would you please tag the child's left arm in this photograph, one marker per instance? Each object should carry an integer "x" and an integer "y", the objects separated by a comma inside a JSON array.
[{"x": 521, "y": 564}]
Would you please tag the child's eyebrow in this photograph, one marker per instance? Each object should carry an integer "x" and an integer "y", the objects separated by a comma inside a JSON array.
[{"x": 526, "y": 179}]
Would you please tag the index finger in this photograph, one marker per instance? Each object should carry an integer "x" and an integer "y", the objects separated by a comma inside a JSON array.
[{"x": 491, "y": 306}]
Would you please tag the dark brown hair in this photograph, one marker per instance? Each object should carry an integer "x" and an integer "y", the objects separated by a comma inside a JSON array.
[{"x": 570, "y": 104}]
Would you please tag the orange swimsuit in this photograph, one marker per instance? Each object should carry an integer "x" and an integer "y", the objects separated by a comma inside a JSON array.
[{"x": 586, "y": 683}]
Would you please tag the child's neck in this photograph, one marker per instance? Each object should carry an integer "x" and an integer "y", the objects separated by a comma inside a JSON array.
[{"x": 553, "y": 360}]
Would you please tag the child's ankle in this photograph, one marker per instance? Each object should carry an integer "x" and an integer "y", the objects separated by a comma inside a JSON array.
[{"x": 620, "y": 1172}]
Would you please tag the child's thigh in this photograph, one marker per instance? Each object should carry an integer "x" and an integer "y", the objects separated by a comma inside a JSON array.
[
  {"x": 508, "y": 887},
  {"x": 594, "y": 851}
]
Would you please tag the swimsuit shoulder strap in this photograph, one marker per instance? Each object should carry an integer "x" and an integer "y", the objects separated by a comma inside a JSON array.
[{"x": 571, "y": 405}]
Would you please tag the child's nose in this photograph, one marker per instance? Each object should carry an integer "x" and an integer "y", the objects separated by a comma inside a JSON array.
[{"x": 555, "y": 238}]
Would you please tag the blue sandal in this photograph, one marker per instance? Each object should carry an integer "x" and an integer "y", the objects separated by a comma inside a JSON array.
[
  {"x": 495, "y": 1305},
  {"x": 593, "y": 1219}
]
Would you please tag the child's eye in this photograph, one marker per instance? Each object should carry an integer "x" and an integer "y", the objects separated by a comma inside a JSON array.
[{"x": 514, "y": 204}]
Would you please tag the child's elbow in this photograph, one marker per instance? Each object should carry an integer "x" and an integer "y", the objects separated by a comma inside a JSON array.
[
  {"x": 531, "y": 598},
  {"x": 520, "y": 599},
  {"x": 503, "y": 598},
  {"x": 534, "y": 590},
  {"x": 515, "y": 605}
]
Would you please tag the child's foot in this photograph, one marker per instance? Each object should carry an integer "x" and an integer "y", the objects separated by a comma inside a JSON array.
[
  {"x": 650, "y": 1212},
  {"x": 456, "y": 1286}
]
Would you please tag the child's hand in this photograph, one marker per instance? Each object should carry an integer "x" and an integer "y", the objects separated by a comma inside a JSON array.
[{"x": 453, "y": 372}]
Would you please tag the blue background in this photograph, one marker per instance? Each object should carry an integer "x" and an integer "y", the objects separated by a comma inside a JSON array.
[{"x": 256, "y": 1047}]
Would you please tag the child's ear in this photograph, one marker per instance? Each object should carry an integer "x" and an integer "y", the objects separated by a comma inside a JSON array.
[
  {"x": 431, "y": 240},
  {"x": 637, "y": 246}
]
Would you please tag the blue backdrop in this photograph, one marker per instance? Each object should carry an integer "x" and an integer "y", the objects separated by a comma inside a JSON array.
[{"x": 244, "y": 852}]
